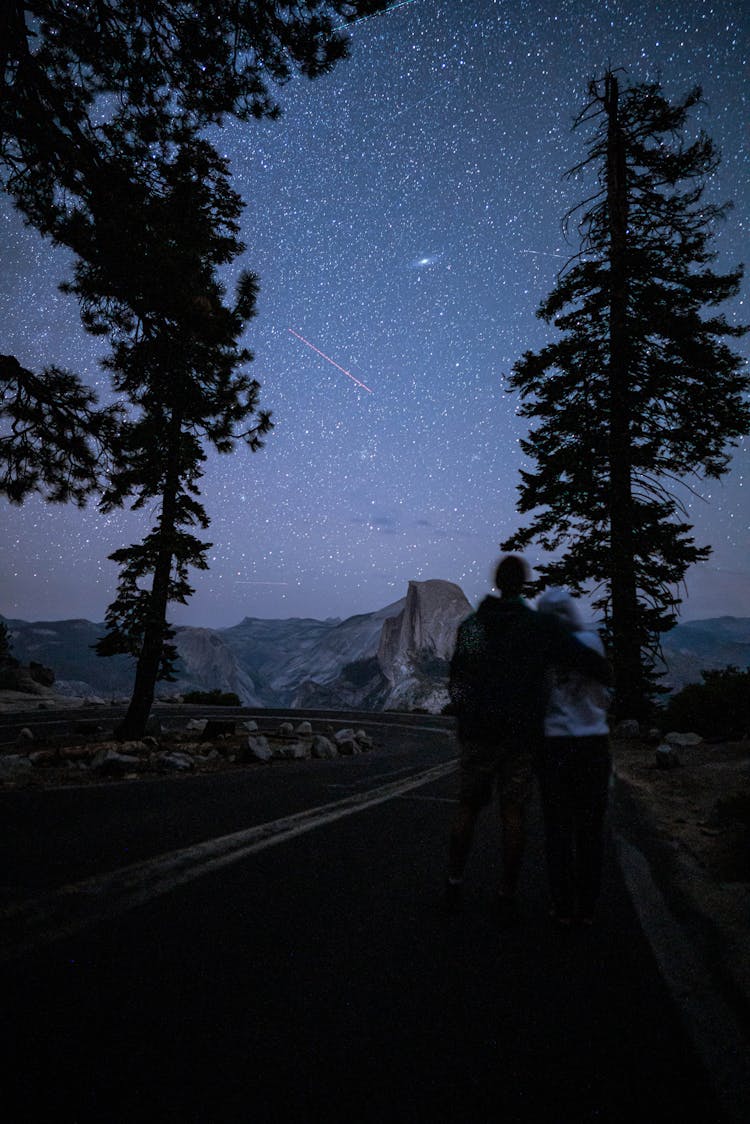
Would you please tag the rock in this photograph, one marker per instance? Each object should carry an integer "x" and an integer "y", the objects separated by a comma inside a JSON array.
[
  {"x": 296, "y": 751},
  {"x": 42, "y": 757},
  {"x": 666, "y": 757},
  {"x": 286, "y": 730},
  {"x": 15, "y": 767},
  {"x": 93, "y": 700},
  {"x": 364, "y": 739},
  {"x": 627, "y": 730},
  {"x": 217, "y": 728},
  {"x": 346, "y": 743},
  {"x": 113, "y": 763},
  {"x": 25, "y": 736},
  {"x": 323, "y": 748},
  {"x": 196, "y": 725},
  {"x": 251, "y": 725},
  {"x": 683, "y": 741},
  {"x": 175, "y": 762},
  {"x": 150, "y": 742},
  {"x": 304, "y": 728},
  {"x": 257, "y": 749}
]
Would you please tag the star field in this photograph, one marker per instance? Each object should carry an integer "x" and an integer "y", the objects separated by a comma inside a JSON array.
[{"x": 404, "y": 216}]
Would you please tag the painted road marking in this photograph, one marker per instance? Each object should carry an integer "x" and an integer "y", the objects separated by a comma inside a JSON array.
[{"x": 74, "y": 907}]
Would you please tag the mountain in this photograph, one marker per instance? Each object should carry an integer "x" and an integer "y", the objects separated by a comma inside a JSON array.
[
  {"x": 300, "y": 661},
  {"x": 697, "y": 646},
  {"x": 396, "y": 657}
]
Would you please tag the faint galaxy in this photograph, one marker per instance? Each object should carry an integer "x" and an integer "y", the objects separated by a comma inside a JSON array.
[{"x": 404, "y": 216}]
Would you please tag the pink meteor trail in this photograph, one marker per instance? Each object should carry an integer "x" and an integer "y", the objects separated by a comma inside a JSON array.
[{"x": 331, "y": 361}]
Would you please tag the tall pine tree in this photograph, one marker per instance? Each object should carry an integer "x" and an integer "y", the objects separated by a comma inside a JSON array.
[
  {"x": 641, "y": 391},
  {"x": 147, "y": 277}
]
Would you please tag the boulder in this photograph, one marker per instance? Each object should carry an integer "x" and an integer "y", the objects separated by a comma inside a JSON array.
[
  {"x": 113, "y": 763},
  {"x": 627, "y": 730},
  {"x": 25, "y": 736},
  {"x": 15, "y": 767},
  {"x": 196, "y": 725},
  {"x": 323, "y": 748},
  {"x": 257, "y": 749},
  {"x": 304, "y": 728},
  {"x": 666, "y": 757},
  {"x": 295, "y": 751},
  {"x": 683, "y": 741},
  {"x": 175, "y": 762},
  {"x": 218, "y": 728},
  {"x": 286, "y": 730},
  {"x": 346, "y": 743},
  {"x": 364, "y": 740},
  {"x": 251, "y": 725}
]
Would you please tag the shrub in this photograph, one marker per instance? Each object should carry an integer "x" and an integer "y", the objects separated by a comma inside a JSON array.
[
  {"x": 212, "y": 698},
  {"x": 717, "y": 708}
]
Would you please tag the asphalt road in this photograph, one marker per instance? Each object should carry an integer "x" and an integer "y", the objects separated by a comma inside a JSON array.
[{"x": 302, "y": 969}]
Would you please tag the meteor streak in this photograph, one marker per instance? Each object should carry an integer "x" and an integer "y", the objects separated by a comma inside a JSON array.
[
  {"x": 329, "y": 360},
  {"x": 385, "y": 11}
]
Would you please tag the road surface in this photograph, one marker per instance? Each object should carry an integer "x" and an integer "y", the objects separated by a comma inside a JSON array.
[{"x": 301, "y": 967}]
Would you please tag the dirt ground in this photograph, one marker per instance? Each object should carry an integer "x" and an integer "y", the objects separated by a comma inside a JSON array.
[{"x": 702, "y": 805}]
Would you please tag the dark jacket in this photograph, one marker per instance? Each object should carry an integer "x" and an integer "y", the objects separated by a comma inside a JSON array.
[{"x": 498, "y": 677}]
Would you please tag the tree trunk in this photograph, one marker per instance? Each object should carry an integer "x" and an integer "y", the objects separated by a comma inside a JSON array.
[
  {"x": 629, "y": 685},
  {"x": 133, "y": 724}
]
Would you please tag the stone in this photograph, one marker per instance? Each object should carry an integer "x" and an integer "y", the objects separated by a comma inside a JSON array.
[
  {"x": 196, "y": 725},
  {"x": 666, "y": 757},
  {"x": 286, "y": 730},
  {"x": 296, "y": 751},
  {"x": 150, "y": 742},
  {"x": 323, "y": 748},
  {"x": 217, "y": 727},
  {"x": 93, "y": 700},
  {"x": 344, "y": 735},
  {"x": 176, "y": 762},
  {"x": 257, "y": 749},
  {"x": 683, "y": 741},
  {"x": 113, "y": 763},
  {"x": 364, "y": 739},
  {"x": 347, "y": 747},
  {"x": 15, "y": 767},
  {"x": 627, "y": 730},
  {"x": 251, "y": 725},
  {"x": 304, "y": 728},
  {"x": 25, "y": 736}
]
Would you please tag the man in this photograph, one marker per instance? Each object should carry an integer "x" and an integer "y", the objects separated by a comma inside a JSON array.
[{"x": 499, "y": 688}]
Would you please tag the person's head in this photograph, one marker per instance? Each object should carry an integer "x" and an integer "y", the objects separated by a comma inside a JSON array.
[
  {"x": 511, "y": 575},
  {"x": 562, "y": 605}
]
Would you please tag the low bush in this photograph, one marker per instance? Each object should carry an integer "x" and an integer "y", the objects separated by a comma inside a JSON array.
[
  {"x": 212, "y": 698},
  {"x": 717, "y": 709}
]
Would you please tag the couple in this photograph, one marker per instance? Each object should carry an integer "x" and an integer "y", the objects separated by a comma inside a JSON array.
[{"x": 528, "y": 689}]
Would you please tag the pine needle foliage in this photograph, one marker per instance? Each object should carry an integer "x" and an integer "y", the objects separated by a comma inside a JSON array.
[
  {"x": 80, "y": 80},
  {"x": 641, "y": 392},
  {"x": 146, "y": 276}
]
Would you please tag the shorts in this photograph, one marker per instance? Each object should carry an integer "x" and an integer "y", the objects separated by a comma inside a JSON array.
[{"x": 507, "y": 763}]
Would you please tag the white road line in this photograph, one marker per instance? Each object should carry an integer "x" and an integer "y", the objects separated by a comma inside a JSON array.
[{"x": 75, "y": 907}]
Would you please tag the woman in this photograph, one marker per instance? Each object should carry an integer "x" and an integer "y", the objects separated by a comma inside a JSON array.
[{"x": 574, "y": 772}]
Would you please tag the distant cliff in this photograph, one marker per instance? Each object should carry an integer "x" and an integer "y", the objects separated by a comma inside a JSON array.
[{"x": 396, "y": 657}]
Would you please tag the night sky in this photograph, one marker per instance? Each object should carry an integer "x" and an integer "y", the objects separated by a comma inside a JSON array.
[{"x": 404, "y": 216}]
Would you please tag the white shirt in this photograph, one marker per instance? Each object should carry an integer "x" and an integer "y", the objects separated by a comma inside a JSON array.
[{"x": 577, "y": 706}]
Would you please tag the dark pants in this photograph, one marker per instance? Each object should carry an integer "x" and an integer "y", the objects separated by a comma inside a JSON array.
[{"x": 574, "y": 782}]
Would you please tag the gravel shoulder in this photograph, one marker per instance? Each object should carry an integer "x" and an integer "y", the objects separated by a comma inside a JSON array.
[{"x": 693, "y": 824}]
